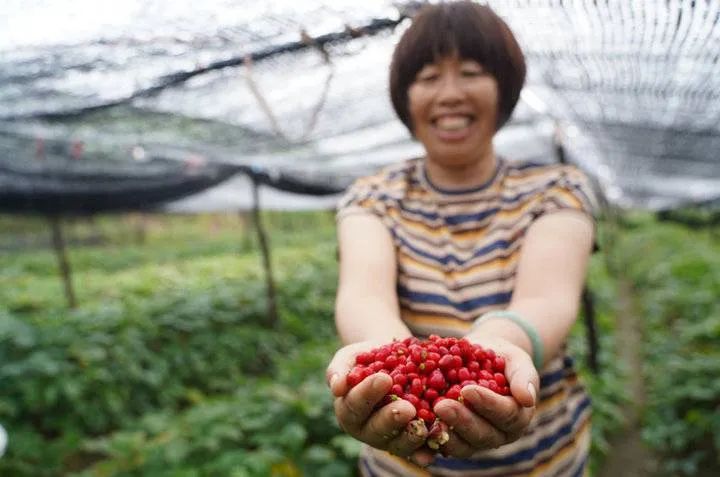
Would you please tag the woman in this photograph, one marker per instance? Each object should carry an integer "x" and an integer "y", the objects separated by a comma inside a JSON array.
[{"x": 461, "y": 242}]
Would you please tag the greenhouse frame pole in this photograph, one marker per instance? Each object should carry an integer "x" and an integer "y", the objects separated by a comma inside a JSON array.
[
  {"x": 272, "y": 315},
  {"x": 58, "y": 242}
]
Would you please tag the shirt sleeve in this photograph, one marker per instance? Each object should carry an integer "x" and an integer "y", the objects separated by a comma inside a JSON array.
[
  {"x": 364, "y": 196},
  {"x": 570, "y": 190}
]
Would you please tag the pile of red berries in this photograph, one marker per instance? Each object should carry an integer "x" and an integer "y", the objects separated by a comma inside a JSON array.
[{"x": 426, "y": 371}]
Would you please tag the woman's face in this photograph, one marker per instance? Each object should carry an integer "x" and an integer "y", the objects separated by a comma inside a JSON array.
[{"x": 453, "y": 108}]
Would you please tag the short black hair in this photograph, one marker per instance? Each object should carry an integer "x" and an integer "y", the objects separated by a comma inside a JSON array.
[{"x": 470, "y": 30}]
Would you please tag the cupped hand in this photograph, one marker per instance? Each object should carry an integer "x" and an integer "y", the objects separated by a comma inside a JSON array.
[
  {"x": 485, "y": 419},
  {"x": 392, "y": 427}
]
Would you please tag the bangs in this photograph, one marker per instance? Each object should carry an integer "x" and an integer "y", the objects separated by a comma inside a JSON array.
[{"x": 448, "y": 33}]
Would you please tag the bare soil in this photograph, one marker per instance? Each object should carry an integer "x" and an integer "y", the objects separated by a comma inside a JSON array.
[{"x": 629, "y": 457}]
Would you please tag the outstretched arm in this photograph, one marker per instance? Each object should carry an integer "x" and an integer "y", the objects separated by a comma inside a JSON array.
[
  {"x": 367, "y": 315},
  {"x": 549, "y": 281},
  {"x": 367, "y": 308}
]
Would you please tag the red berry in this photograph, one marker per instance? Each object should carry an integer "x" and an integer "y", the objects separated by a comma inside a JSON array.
[
  {"x": 412, "y": 399},
  {"x": 429, "y": 366},
  {"x": 486, "y": 375},
  {"x": 391, "y": 362},
  {"x": 365, "y": 358},
  {"x": 426, "y": 415},
  {"x": 416, "y": 387},
  {"x": 453, "y": 392},
  {"x": 377, "y": 366},
  {"x": 438, "y": 435},
  {"x": 437, "y": 381},
  {"x": 354, "y": 378},
  {"x": 463, "y": 374},
  {"x": 446, "y": 362},
  {"x": 431, "y": 394}
]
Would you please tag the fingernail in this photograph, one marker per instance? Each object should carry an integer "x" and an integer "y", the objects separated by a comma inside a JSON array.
[
  {"x": 471, "y": 392},
  {"x": 533, "y": 392},
  {"x": 450, "y": 415},
  {"x": 379, "y": 383}
]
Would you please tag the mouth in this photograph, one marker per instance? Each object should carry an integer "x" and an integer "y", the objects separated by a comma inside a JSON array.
[{"x": 452, "y": 127}]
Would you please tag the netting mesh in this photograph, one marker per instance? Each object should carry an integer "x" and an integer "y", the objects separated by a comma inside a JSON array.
[{"x": 633, "y": 86}]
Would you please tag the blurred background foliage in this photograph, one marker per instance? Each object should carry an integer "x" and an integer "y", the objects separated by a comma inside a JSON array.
[{"x": 168, "y": 368}]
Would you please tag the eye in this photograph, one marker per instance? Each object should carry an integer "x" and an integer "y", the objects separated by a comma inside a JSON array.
[
  {"x": 428, "y": 73},
  {"x": 471, "y": 69},
  {"x": 427, "y": 77}
]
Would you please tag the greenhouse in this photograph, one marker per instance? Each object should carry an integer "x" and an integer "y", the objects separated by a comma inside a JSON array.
[{"x": 172, "y": 178}]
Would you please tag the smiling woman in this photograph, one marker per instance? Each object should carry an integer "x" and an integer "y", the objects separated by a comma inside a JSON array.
[
  {"x": 445, "y": 88},
  {"x": 463, "y": 243}
]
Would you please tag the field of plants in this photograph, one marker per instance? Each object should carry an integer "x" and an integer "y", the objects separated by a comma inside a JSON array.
[{"x": 169, "y": 367}]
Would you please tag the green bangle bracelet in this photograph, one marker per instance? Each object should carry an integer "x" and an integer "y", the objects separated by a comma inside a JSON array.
[{"x": 538, "y": 352}]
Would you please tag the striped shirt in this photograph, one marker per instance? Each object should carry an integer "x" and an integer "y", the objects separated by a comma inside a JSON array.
[{"x": 457, "y": 253}]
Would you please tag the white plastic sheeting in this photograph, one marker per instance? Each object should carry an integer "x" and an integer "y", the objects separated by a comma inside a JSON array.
[{"x": 635, "y": 87}]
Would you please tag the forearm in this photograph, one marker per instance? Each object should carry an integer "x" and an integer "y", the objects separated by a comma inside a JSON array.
[
  {"x": 366, "y": 318},
  {"x": 552, "y": 319},
  {"x": 548, "y": 284}
]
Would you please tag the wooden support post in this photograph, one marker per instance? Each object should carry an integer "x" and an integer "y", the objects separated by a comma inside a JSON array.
[
  {"x": 272, "y": 315},
  {"x": 63, "y": 263},
  {"x": 246, "y": 221},
  {"x": 588, "y": 302},
  {"x": 140, "y": 225}
]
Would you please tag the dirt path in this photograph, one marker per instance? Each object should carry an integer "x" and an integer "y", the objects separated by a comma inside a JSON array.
[{"x": 628, "y": 456}]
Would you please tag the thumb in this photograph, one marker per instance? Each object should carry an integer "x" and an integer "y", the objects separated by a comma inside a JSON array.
[
  {"x": 340, "y": 366},
  {"x": 523, "y": 378}
]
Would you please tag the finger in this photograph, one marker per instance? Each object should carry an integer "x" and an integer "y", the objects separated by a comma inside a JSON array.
[
  {"x": 353, "y": 409},
  {"x": 340, "y": 366},
  {"x": 502, "y": 412},
  {"x": 410, "y": 440},
  {"x": 523, "y": 379},
  {"x": 470, "y": 426},
  {"x": 387, "y": 424},
  {"x": 457, "y": 447},
  {"x": 422, "y": 457}
]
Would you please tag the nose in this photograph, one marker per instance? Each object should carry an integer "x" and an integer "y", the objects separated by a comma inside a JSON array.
[{"x": 449, "y": 89}]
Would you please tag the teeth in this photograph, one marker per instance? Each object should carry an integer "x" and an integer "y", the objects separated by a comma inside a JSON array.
[{"x": 452, "y": 123}]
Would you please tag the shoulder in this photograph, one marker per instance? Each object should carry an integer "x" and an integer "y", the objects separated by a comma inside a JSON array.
[
  {"x": 390, "y": 180},
  {"x": 543, "y": 174},
  {"x": 551, "y": 187},
  {"x": 388, "y": 185},
  {"x": 399, "y": 171}
]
